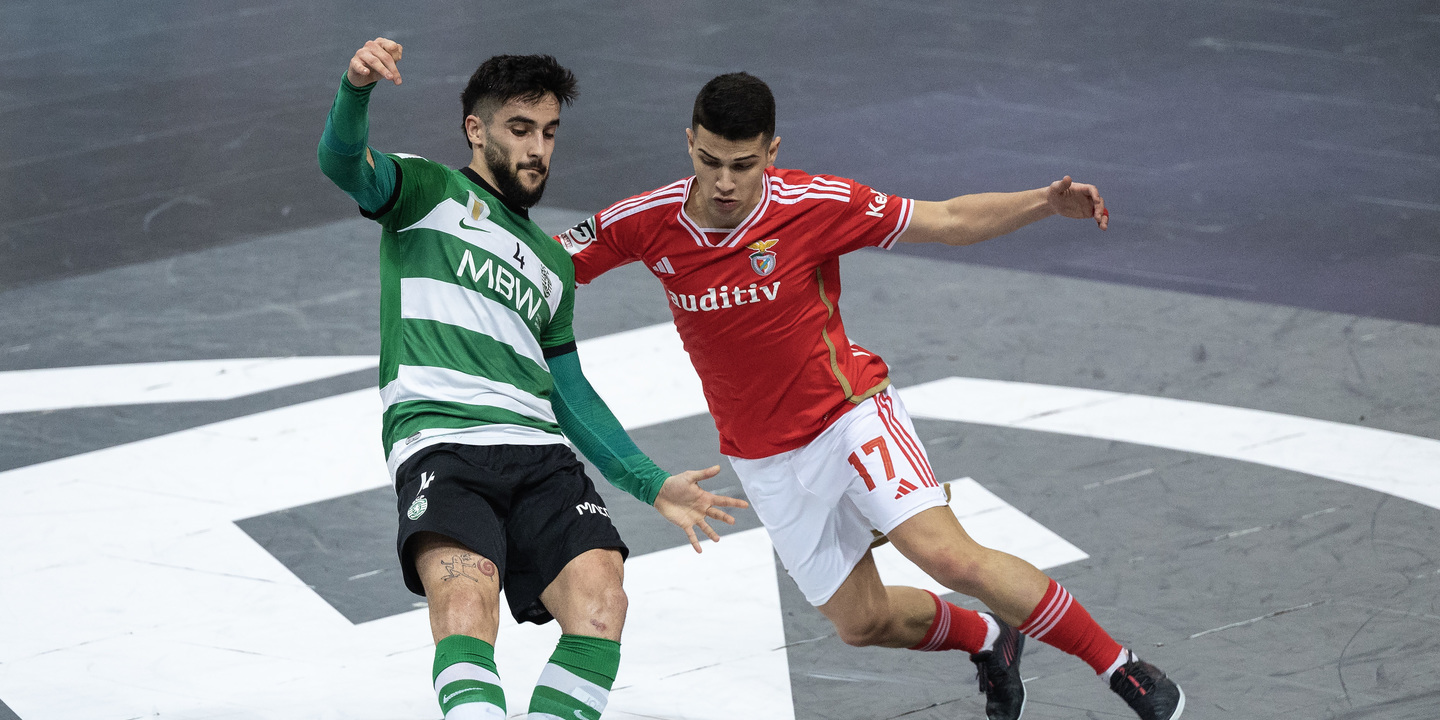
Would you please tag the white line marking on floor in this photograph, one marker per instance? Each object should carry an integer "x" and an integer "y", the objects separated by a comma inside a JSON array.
[{"x": 164, "y": 382}]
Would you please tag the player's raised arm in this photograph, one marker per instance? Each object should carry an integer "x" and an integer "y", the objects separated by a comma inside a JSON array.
[
  {"x": 969, "y": 219},
  {"x": 345, "y": 157},
  {"x": 587, "y": 421}
]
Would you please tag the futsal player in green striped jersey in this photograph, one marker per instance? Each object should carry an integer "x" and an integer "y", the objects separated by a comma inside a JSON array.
[{"x": 481, "y": 386}]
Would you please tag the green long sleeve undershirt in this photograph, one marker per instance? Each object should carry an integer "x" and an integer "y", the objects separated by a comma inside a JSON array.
[
  {"x": 581, "y": 412},
  {"x": 587, "y": 421},
  {"x": 343, "y": 146}
]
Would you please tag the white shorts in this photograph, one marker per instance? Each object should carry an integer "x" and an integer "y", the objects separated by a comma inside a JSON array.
[{"x": 819, "y": 501}]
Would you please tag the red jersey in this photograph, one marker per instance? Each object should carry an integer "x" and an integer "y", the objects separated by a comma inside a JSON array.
[{"x": 757, "y": 306}]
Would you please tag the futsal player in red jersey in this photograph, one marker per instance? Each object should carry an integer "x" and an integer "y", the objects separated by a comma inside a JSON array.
[{"x": 749, "y": 258}]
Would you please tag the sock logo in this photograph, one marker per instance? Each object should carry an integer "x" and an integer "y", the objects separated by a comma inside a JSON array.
[{"x": 461, "y": 691}]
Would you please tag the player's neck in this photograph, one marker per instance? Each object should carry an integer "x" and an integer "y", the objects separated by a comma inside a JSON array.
[
  {"x": 698, "y": 210},
  {"x": 481, "y": 168}
]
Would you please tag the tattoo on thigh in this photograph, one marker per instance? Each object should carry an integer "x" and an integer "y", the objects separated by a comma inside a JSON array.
[
  {"x": 462, "y": 566},
  {"x": 487, "y": 567}
]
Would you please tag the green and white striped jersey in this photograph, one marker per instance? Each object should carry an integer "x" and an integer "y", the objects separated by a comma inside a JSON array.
[{"x": 472, "y": 296}]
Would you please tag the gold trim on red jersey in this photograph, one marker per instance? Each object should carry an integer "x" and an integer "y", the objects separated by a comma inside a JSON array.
[{"x": 835, "y": 355}]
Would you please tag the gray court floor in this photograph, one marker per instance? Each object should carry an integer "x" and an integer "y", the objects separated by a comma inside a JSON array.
[{"x": 1275, "y": 247}]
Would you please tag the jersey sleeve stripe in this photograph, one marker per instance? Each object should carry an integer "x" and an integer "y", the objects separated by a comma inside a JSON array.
[
  {"x": 631, "y": 202},
  {"x": 811, "y": 196},
  {"x": 907, "y": 207},
  {"x": 671, "y": 200},
  {"x": 836, "y": 183},
  {"x": 435, "y": 384},
  {"x": 782, "y": 188},
  {"x": 620, "y": 207}
]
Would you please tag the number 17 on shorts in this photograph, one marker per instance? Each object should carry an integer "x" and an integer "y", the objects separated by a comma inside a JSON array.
[{"x": 890, "y": 462}]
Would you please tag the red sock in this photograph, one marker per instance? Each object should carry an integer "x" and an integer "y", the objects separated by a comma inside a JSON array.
[
  {"x": 1060, "y": 621},
  {"x": 954, "y": 628}
]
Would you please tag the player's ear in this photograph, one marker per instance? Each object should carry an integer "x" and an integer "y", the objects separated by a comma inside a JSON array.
[
  {"x": 475, "y": 131},
  {"x": 689, "y": 140},
  {"x": 774, "y": 150}
]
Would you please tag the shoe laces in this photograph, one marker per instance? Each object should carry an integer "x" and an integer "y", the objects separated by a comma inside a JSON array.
[
  {"x": 990, "y": 674},
  {"x": 1135, "y": 681}
]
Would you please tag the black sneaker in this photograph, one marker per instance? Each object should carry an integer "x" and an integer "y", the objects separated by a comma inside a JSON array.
[
  {"x": 998, "y": 670},
  {"x": 1147, "y": 691}
]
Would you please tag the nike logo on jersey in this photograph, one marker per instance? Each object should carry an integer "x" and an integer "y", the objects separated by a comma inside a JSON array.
[
  {"x": 725, "y": 297},
  {"x": 663, "y": 267}
]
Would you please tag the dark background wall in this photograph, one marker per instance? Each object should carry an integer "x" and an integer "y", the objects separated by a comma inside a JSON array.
[{"x": 1279, "y": 151}]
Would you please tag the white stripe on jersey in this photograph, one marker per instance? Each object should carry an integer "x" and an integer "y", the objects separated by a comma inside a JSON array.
[
  {"x": 452, "y": 218},
  {"x": 785, "y": 189},
  {"x": 817, "y": 185},
  {"x": 907, "y": 208},
  {"x": 666, "y": 200},
  {"x": 419, "y": 382},
  {"x": 428, "y": 299},
  {"x": 818, "y": 189},
  {"x": 670, "y": 189},
  {"x": 811, "y": 196},
  {"x": 501, "y": 434},
  {"x": 622, "y": 206}
]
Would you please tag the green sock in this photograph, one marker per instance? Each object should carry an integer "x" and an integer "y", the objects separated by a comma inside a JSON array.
[
  {"x": 466, "y": 683},
  {"x": 576, "y": 682}
]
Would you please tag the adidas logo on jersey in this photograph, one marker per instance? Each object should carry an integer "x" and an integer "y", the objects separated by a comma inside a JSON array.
[
  {"x": 663, "y": 267},
  {"x": 725, "y": 297}
]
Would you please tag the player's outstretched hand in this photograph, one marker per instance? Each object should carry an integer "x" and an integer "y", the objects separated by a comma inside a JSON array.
[
  {"x": 376, "y": 59},
  {"x": 682, "y": 501},
  {"x": 1078, "y": 200}
]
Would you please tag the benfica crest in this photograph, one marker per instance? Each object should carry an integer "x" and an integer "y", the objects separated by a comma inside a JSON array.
[{"x": 762, "y": 261}]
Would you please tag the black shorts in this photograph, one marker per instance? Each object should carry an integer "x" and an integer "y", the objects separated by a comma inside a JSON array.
[{"x": 528, "y": 508}]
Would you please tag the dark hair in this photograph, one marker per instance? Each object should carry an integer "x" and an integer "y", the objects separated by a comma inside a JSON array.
[
  {"x": 503, "y": 78},
  {"x": 735, "y": 106}
]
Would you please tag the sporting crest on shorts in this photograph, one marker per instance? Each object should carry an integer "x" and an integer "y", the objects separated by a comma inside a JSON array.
[{"x": 762, "y": 261}]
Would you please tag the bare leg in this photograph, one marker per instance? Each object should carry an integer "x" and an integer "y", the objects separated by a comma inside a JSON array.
[
  {"x": 587, "y": 598},
  {"x": 865, "y": 611},
  {"x": 934, "y": 540},
  {"x": 463, "y": 588}
]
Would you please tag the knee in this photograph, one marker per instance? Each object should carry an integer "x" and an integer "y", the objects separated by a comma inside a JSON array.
[
  {"x": 462, "y": 613},
  {"x": 612, "y": 602},
  {"x": 864, "y": 632},
  {"x": 961, "y": 573}
]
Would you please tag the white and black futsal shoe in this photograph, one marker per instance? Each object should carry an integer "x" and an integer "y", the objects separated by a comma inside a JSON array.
[
  {"x": 1147, "y": 691},
  {"x": 998, "y": 670}
]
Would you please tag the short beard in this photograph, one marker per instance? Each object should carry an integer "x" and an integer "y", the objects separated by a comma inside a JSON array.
[{"x": 507, "y": 176}]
